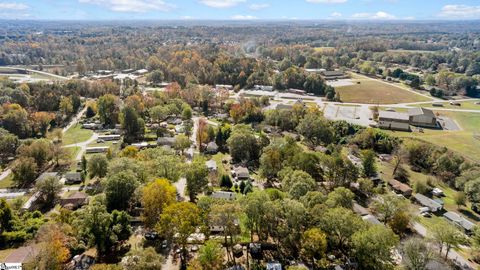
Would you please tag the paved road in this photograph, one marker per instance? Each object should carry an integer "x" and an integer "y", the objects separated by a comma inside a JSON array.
[
  {"x": 5, "y": 174},
  {"x": 83, "y": 146},
  {"x": 36, "y": 71}
]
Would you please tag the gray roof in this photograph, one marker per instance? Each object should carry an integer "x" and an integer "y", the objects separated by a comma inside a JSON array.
[
  {"x": 373, "y": 220},
  {"x": 223, "y": 195},
  {"x": 165, "y": 140},
  {"x": 459, "y": 220},
  {"x": 73, "y": 176},
  {"x": 394, "y": 115},
  {"x": 242, "y": 172},
  {"x": 274, "y": 266},
  {"x": 425, "y": 201},
  {"x": 46, "y": 175},
  {"x": 420, "y": 111},
  {"x": 211, "y": 164},
  {"x": 212, "y": 146}
]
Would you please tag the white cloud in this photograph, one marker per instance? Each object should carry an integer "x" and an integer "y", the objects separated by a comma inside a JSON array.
[
  {"x": 243, "y": 17},
  {"x": 327, "y": 1},
  {"x": 258, "y": 6},
  {"x": 336, "y": 15},
  {"x": 381, "y": 15},
  {"x": 187, "y": 18},
  {"x": 13, "y": 6},
  {"x": 460, "y": 11},
  {"x": 132, "y": 5},
  {"x": 221, "y": 3}
]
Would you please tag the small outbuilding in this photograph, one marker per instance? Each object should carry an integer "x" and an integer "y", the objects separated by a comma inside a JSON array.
[
  {"x": 212, "y": 148},
  {"x": 72, "y": 178}
]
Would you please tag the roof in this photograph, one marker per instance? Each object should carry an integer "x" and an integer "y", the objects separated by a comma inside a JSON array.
[
  {"x": 73, "y": 176},
  {"x": 274, "y": 266},
  {"x": 394, "y": 115},
  {"x": 420, "y": 111},
  {"x": 362, "y": 211},
  {"x": 425, "y": 201},
  {"x": 78, "y": 195},
  {"x": 333, "y": 73},
  {"x": 46, "y": 175},
  {"x": 223, "y": 195},
  {"x": 211, "y": 164},
  {"x": 212, "y": 146},
  {"x": 397, "y": 185},
  {"x": 242, "y": 172},
  {"x": 165, "y": 140},
  {"x": 371, "y": 219},
  {"x": 459, "y": 220}
]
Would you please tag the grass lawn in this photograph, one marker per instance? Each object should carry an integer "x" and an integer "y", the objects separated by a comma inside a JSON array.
[
  {"x": 371, "y": 91},
  {"x": 221, "y": 168},
  {"x": 466, "y": 105},
  {"x": 465, "y": 142},
  {"x": 4, "y": 253},
  {"x": 76, "y": 134},
  {"x": 7, "y": 182}
]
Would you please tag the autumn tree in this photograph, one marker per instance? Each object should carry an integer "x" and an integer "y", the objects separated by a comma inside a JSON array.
[
  {"x": 24, "y": 170},
  {"x": 143, "y": 259},
  {"x": 156, "y": 196},
  {"x": 53, "y": 251},
  {"x": 314, "y": 245}
]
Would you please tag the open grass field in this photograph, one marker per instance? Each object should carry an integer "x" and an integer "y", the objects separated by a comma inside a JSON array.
[
  {"x": 7, "y": 182},
  {"x": 465, "y": 142},
  {"x": 371, "y": 91},
  {"x": 76, "y": 134}
]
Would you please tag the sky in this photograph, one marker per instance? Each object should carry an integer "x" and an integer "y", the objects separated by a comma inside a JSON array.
[{"x": 240, "y": 9}]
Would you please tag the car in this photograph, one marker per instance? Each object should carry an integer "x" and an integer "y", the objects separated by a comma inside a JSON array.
[
  {"x": 426, "y": 214},
  {"x": 100, "y": 141},
  {"x": 151, "y": 235}
]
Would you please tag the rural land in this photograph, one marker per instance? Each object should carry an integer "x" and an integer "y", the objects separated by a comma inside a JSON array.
[{"x": 247, "y": 145}]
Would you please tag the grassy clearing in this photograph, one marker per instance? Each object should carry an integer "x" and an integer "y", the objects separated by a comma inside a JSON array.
[
  {"x": 221, "y": 167},
  {"x": 466, "y": 105},
  {"x": 375, "y": 92},
  {"x": 76, "y": 134},
  {"x": 465, "y": 142},
  {"x": 7, "y": 182}
]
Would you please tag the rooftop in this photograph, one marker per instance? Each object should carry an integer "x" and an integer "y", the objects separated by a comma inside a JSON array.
[
  {"x": 394, "y": 115},
  {"x": 420, "y": 111}
]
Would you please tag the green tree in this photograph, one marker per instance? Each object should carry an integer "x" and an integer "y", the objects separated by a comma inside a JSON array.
[
  {"x": 197, "y": 178},
  {"x": 226, "y": 182},
  {"x": 368, "y": 163},
  {"x": 315, "y": 129},
  {"x": 417, "y": 253},
  {"x": 340, "y": 224},
  {"x": 460, "y": 199},
  {"x": 447, "y": 236},
  {"x": 143, "y": 259},
  {"x": 156, "y": 77},
  {"x": 119, "y": 189},
  {"x": 314, "y": 245},
  {"x": 387, "y": 206},
  {"x": 98, "y": 166},
  {"x": 373, "y": 247},
  {"x": 210, "y": 256},
  {"x": 182, "y": 142},
  {"x": 243, "y": 145},
  {"x": 8, "y": 144},
  {"x": 24, "y": 170},
  {"x": 48, "y": 190},
  {"x": 108, "y": 109},
  {"x": 340, "y": 197}
]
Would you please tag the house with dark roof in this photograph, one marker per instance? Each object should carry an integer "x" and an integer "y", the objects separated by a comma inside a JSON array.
[
  {"x": 73, "y": 178},
  {"x": 75, "y": 200},
  {"x": 333, "y": 75},
  {"x": 422, "y": 117},
  {"x": 241, "y": 173},
  {"x": 212, "y": 148}
]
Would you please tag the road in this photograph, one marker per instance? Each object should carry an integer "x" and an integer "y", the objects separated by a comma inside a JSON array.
[{"x": 36, "y": 71}]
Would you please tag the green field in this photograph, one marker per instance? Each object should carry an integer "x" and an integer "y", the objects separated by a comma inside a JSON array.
[
  {"x": 466, "y": 105},
  {"x": 465, "y": 142},
  {"x": 76, "y": 135},
  {"x": 376, "y": 92},
  {"x": 7, "y": 182}
]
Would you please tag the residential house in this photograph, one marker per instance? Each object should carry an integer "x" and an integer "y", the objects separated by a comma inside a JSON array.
[
  {"x": 81, "y": 262},
  {"x": 400, "y": 187},
  {"x": 46, "y": 175},
  {"x": 21, "y": 255},
  {"x": 268, "y": 88},
  {"x": 141, "y": 145},
  {"x": 422, "y": 117},
  {"x": 166, "y": 141},
  {"x": 274, "y": 266},
  {"x": 224, "y": 195},
  {"x": 333, "y": 75},
  {"x": 394, "y": 121},
  {"x": 73, "y": 178},
  {"x": 427, "y": 202},
  {"x": 75, "y": 200},
  {"x": 460, "y": 221},
  {"x": 211, "y": 165},
  {"x": 241, "y": 173},
  {"x": 212, "y": 148},
  {"x": 98, "y": 149},
  {"x": 371, "y": 219},
  {"x": 112, "y": 137},
  {"x": 218, "y": 228}
]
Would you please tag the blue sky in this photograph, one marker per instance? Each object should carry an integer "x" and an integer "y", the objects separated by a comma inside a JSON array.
[{"x": 240, "y": 9}]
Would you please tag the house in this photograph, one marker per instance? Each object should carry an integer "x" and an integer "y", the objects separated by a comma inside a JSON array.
[
  {"x": 296, "y": 91},
  {"x": 268, "y": 88},
  {"x": 274, "y": 266},
  {"x": 112, "y": 137},
  {"x": 218, "y": 228},
  {"x": 422, "y": 117},
  {"x": 21, "y": 255},
  {"x": 81, "y": 262},
  {"x": 211, "y": 165},
  {"x": 75, "y": 200},
  {"x": 46, "y": 175},
  {"x": 141, "y": 72},
  {"x": 224, "y": 195},
  {"x": 179, "y": 129},
  {"x": 394, "y": 121},
  {"x": 333, "y": 75},
  {"x": 166, "y": 141},
  {"x": 212, "y": 148},
  {"x": 98, "y": 149},
  {"x": 29, "y": 205},
  {"x": 224, "y": 86},
  {"x": 360, "y": 210},
  {"x": 141, "y": 145},
  {"x": 400, "y": 187},
  {"x": 73, "y": 178},
  {"x": 93, "y": 126},
  {"x": 427, "y": 202},
  {"x": 459, "y": 221},
  {"x": 174, "y": 121},
  {"x": 241, "y": 173},
  {"x": 437, "y": 192}
]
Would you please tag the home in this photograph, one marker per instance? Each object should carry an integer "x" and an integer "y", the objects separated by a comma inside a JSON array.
[
  {"x": 224, "y": 86},
  {"x": 81, "y": 262},
  {"x": 241, "y": 173},
  {"x": 333, "y": 75},
  {"x": 422, "y": 117},
  {"x": 174, "y": 121},
  {"x": 394, "y": 121},
  {"x": 212, "y": 148},
  {"x": 98, "y": 149},
  {"x": 296, "y": 91},
  {"x": 400, "y": 187},
  {"x": 263, "y": 88},
  {"x": 460, "y": 221},
  {"x": 437, "y": 192},
  {"x": 112, "y": 137},
  {"x": 21, "y": 255},
  {"x": 141, "y": 72},
  {"x": 46, "y": 175},
  {"x": 427, "y": 202},
  {"x": 211, "y": 165},
  {"x": 141, "y": 145},
  {"x": 219, "y": 228},
  {"x": 274, "y": 266},
  {"x": 75, "y": 200},
  {"x": 73, "y": 178},
  {"x": 166, "y": 141},
  {"x": 93, "y": 126},
  {"x": 223, "y": 195}
]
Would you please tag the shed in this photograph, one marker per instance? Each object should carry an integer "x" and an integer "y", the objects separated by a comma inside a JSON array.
[
  {"x": 242, "y": 173},
  {"x": 400, "y": 187},
  {"x": 212, "y": 148},
  {"x": 73, "y": 178},
  {"x": 211, "y": 165}
]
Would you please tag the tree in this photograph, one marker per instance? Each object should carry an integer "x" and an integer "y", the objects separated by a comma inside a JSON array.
[
  {"x": 156, "y": 77},
  {"x": 8, "y": 144},
  {"x": 40, "y": 150},
  {"x": 66, "y": 106},
  {"x": 340, "y": 197},
  {"x": 373, "y": 247},
  {"x": 226, "y": 182},
  {"x": 81, "y": 67},
  {"x": 156, "y": 196},
  {"x": 143, "y": 259},
  {"x": 6, "y": 216},
  {"x": 226, "y": 216},
  {"x": 315, "y": 129},
  {"x": 24, "y": 170},
  {"x": 340, "y": 224},
  {"x": 108, "y": 109},
  {"x": 48, "y": 189},
  {"x": 447, "y": 236},
  {"x": 243, "y": 145},
  {"x": 197, "y": 178},
  {"x": 472, "y": 190},
  {"x": 297, "y": 183},
  {"x": 84, "y": 165},
  {"x": 182, "y": 142},
  {"x": 119, "y": 189},
  {"x": 60, "y": 153},
  {"x": 180, "y": 220},
  {"x": 41, "y": 122},
  {"x": 100, "y": 228},
  {"x": 417, "y": 253},
  {"x": 314, "y": 245},
  {"x": 53, "y": 252},
  {"x": 460, "y": 199},
  {"x": 15, "y": 120},
  {"x": 368, "y": 163},
  {"x": 98, "y": 166},
  {"x": 133, "y": 125},
  {"x": 387, "y": 206},
  {"x": 210, "y": 256}
]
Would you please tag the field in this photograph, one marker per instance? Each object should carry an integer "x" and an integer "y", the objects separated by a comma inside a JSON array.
[
  {"x": 409, "y": 51},
  {"x": 7, "y": 182},
  {"x": 466, "y": 105},
  {"x": 76, "y": 135},
  {"x": 465, "y": 142},
  {"x": 376, "y": 92}
]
